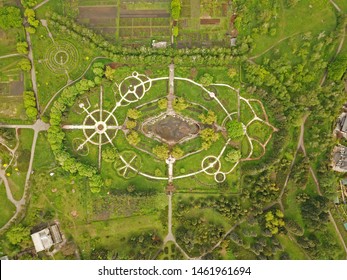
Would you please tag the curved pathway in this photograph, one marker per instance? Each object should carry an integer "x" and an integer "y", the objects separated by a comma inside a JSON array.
[{"x": 38, "y": 126}]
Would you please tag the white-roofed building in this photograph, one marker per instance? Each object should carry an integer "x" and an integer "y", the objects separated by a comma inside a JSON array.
[{"x": 46, "y": 238}]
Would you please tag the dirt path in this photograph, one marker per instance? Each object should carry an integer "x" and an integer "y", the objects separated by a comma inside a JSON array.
[{"x": 335, "y": 5}]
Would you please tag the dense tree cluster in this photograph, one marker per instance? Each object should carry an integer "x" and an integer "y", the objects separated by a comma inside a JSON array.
[
  {"x": 144, "y": 245},
  {"x": 315, "y": 212},
  {"x": 274, "y": 221},
  {"x": 10, "y": 17},
  {"x": 227, "y": 206}
]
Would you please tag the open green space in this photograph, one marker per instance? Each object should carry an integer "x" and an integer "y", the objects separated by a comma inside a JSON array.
[
  {"x": 129, "y": 128},
  {"x": 7, "y": 209}
]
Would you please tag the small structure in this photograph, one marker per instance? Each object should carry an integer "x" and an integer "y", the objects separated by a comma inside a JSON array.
[
  {"x": 46, "y": 238},
  {"x": 341, "y": 124},
  {"x": 345, "y": 225},
  {"x": 339, "y": 158},
  {"x": 233, "y": 42},
  {"x": 159, "y": 45}
]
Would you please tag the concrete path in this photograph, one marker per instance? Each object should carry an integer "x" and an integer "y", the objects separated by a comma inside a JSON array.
[
  {"x": 171, "y": 93},
  {"x": 32, "y": 71},
  {"x": 38, "y": 126},
  {"x": 10, "y": 55},
  {"x": 41, "y": 4}
]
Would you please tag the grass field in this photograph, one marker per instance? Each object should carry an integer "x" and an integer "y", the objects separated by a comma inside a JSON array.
[
  {"x": 7, "y": 209},
  {"x": 298, "y": 20},
  {"x": 17, "y": 178}
]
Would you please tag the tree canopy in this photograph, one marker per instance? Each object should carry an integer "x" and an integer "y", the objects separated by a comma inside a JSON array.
[
  {"x": 235, "y": 129},
  {"x": 10, "y": 17}
]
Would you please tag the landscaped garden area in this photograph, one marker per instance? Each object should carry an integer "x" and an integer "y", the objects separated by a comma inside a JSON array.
[{"x": 138, "y": 152}]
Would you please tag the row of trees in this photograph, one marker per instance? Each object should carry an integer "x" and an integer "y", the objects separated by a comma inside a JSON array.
[
  {"x": 56, "y": 135},
  {"x": 30, "y": 104},
  {"x": 142, "y": 55},
  {"x": 30, "y": 16}
]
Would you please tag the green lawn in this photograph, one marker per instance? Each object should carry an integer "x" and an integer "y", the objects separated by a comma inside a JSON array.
[
  {"x": 290, "y": 247},
  {"x": 7, "y": 209},
  {"x": 300, "y": 19}
]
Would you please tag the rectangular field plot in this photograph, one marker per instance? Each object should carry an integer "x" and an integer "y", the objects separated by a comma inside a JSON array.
[
  {"x": 127, "y": 22},
  {"x": 204, "y": 23}
]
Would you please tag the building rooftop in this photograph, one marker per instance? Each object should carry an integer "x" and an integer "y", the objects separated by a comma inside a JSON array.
[{"x": 46, "y": 238}]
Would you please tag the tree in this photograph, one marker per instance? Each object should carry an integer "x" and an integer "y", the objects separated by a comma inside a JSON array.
[
  {"x": 30, "y": 29},
  {"x": 235, "y": 129},
  {"x": 274, "y": 221},
  {"x": 161, "y": 152},
  {"x": 210, "y": 118},
  {"x": 110, "y": 154},
  {"x": 233, "y": 156},
  {"x": 22, "y": 47},
  {"x": 17, "y": 234},
  {"x": 180, "y": 104},
  {"x": 29, "y": 3},
  {"x": 175, "y": 31},
  {"x": 96, "y": 183},
  {"x": 294, "y": 227},
  {"x": 10, "y": 17},
  {"x": 30, "y": 104},
  {"x": 134, "y": 114},
  {"x": 109, "y": 73},
  {"x": 130, "y": 124},
  {"x": 177, "y": 152},
  {"x": 175, "y": 9},
  {"x": 206, "y": 80},
  {"x": 25, "y": 64},
  {"x": 162, "y": 104},
  {"x": 31, "y": 17},
  {"x": 338, "y": 68},
  {"x": 133, "y": 138},
  {"x": 208, "y": 136},
  {"x": 232, "y": 72}
]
